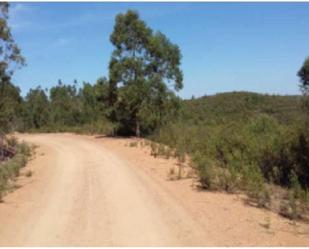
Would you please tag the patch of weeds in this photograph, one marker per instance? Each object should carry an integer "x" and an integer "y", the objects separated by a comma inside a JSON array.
[
  {"x": 181, "y": 158},
  {"x": 267, "y": 222},
  {"x": 289, "y": 209},
  {"x": 205, "y": 171},
  {"x": 167, "y": 153},
  {"x": 154, "y": 149},
  {"x": 296, "y": 202},
  {"x": 28, "y": 173},
  {"x": 12, "y": 141},
  {"x": 264, "y": 199},
  {"x": 161, "y": 150},
  {"x": 133, "y": 144},
  {"x": 171, "y": 173},
  {"x": 10, "y": 169},
  {"x": 228, "y": 179}
]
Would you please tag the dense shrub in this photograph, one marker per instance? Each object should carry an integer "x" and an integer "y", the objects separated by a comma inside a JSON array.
[
  {"x": 242, "y": 149},
  {"x": 10, "y": 169}
]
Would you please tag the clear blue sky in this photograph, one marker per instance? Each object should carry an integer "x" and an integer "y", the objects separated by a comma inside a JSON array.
[{"x": 225, "y": 46}]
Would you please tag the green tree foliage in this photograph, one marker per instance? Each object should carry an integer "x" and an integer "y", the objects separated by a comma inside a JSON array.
[
  {"x": 10, "y": 56},
  {"x": 102, "y": 96},
  {"x": 241, "y": 140},
  {"x": 95, "y": 99},
  {"x": 142, "y": 64},
  {"x": 301, "y": 146},
  {"x": 68, "y": 107},
  {"x": 65, "y": 105},
  {"x": 37, "y": 109},
  {"x": 237, "y": 141},
  {"x": 89, "y": 103},
  {"x": 10, "y": 106},
  {"x": 10, "y": 59},
  {"x": 303, "y": 74}
]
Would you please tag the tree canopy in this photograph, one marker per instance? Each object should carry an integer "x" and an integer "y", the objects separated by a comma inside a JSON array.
[
  {"x": 144, "y": 71},
  {"x": 10, "y": 59},
  {"x": 303, "y": 74},
  {"x": 37, "y": 109}
]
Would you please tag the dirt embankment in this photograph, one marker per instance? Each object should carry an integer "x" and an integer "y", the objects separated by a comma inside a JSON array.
[{"x": 88, "y": 191}]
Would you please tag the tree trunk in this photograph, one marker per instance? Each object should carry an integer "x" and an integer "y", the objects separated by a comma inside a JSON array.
[{"x": 137, "y": 129}]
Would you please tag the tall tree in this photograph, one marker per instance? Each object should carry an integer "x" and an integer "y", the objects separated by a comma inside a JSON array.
[
  {"x": 95, "y": 100},
  {"x": 103, "y": 96},
  {"x": 37, "y": 108},
  {"x": 10, "y": 59},
  {"x": 89, "y": 103},
  {"x": 144, "y": 71},
  {"x": 10, "y": 106},
  {"x": 303, "y": 74},
  {"x": 10, "y": 56},
  {"x": 66, "y": 106},
  {"x": 301, "y": 147}
]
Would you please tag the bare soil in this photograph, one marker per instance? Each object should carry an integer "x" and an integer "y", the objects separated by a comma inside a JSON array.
[{"x": 98, "y": 191}]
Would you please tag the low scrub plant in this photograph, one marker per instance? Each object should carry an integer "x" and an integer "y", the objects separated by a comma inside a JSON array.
[
  {"x": 133, "y": 144},
  {"x": 28, "y": 173},
  {"x": 236, "y": 150},
  {"x": 154, "y": 149},
  {"x": 171, "y": 173},
  {"x": 181, "y": 159},
  {"x": 10, "y": 169},
  {"x": 168, "y": 153},
  {"x": 161, "y": 150},
  {"x": 11, "y": 141}
]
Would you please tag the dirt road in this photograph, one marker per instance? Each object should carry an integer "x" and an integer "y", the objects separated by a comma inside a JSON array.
[{"x": 84, "y": 193}]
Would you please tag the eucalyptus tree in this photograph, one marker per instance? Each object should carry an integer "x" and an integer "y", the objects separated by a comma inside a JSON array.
[
  {"x": 144, "y": 71},
  {"x": 301, "y": 147},
  {"x": 10, "y": 60},
  {"x": 303, "y": 74}
]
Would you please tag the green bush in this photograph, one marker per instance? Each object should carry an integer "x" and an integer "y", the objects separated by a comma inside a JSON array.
[
  {"x": 10, "y": 169},
  {"x": 205, "y": 169},
  {"x": 243, "y": 153}
]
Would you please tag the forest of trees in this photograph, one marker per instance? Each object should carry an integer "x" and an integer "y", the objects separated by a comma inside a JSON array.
[
  {"x": 237, "y": 141},
  {"x": 144, "y": 73}
]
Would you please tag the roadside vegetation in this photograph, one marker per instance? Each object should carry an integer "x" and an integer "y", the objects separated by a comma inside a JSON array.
[
  {"x": 237, "y": 142},
  {"x": 10, "y": 166},
  {"x": 13, "y": 155},
  {"x": 246, "y": 142}
]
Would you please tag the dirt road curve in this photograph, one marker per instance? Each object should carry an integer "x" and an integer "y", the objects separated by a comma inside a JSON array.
[
  {"x": 85, "y": 195},
  {"x": 98, "y": 192}
]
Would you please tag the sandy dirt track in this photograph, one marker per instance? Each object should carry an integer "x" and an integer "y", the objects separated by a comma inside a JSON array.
[{"x": 88, "y": 191}]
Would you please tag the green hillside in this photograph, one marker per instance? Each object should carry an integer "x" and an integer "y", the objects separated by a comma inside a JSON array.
[
  {"x": 230, "y": 106},
  {"x": 242, "y": 140}
]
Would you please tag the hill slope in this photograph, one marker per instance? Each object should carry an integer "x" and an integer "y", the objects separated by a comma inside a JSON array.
[
  {"x": 243, "y": 105},
  {"x": 241, "y": 140}
]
